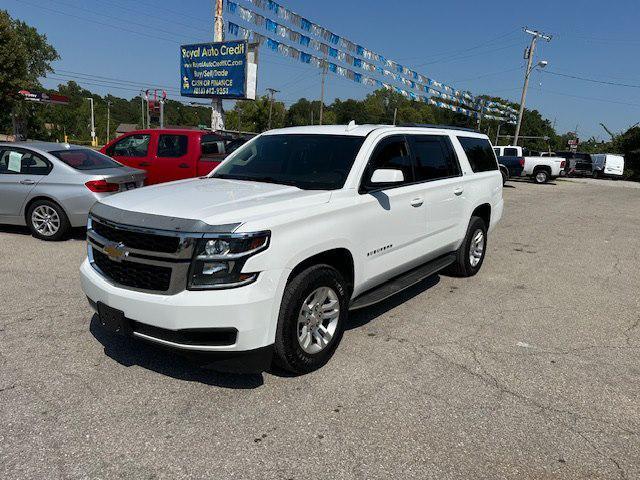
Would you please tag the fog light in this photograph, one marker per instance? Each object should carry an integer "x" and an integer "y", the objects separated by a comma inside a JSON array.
[
  {"x": 217, "y": 247},
  {"x": 214, "y": 268}
]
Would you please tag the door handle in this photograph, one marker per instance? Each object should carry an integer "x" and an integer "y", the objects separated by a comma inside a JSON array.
[
  {"x": 27, "y": 182},
  {"x": 183, "y": 165},
  {"x": 417, "y": 202},
  {"x": 458, "y": 191}
]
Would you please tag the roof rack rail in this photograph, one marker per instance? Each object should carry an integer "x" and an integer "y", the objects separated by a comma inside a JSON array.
[{"x": 444, "y": 127}]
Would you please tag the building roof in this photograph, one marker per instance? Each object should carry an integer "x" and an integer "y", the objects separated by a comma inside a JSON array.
[{"x": 126, "y": 127}]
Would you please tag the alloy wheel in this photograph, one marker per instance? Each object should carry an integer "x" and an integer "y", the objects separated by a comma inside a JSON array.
[{"x": 318, "y": 320}]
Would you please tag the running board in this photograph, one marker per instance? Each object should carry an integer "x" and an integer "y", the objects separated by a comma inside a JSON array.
[{"x": 402, "y": 282}]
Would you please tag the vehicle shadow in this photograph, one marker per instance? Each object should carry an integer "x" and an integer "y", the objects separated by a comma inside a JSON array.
[
  {"x": 79, "y": 233},
  {"x": 367, "y": 315},
  {"x": 129, "y": 352}
]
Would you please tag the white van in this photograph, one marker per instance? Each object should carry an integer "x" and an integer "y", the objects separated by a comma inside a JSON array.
[{"x": 607, "y": 164}]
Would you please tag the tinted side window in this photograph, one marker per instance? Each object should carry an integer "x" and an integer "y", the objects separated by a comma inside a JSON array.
[
  {"x": 434, "y": 157},
  {"x": 172, "y": 146},
  {"x": 480, "y": 154},
  {"x": 508, "y": 152},
  {"x": 131, "y": 146},
  {"x": 391, "y": 153},
  {"x": 13, "y": 161}
]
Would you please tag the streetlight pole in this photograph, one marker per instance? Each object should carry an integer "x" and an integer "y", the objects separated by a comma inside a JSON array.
[
  {"x": 217, "y": 120},
  {"x": 325, "y": 66},
  {"x": 108, "y": 119},
  {"x": 535, "y": 35},
  {"x": 272, "y": 93},
  {"x": 142, "y": 109},
  {"x": 93, "y": 123}
]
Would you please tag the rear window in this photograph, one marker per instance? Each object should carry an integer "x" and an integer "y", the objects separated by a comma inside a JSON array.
[
  {"x": 510, "y": 152},
  {"x": 481, "y": 156},
  {"x": 85, "y": 159}
]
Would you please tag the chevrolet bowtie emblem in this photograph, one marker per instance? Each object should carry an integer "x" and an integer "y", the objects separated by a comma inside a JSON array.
[{"x": 116, "y": 251}]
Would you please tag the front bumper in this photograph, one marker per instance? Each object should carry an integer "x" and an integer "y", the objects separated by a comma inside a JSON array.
[{"x": 251, "y": 310}]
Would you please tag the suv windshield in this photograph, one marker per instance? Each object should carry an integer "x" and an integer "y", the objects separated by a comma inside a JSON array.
[
  {"x": 85, "y": 159},
  {"x": 309, "y": 162}
]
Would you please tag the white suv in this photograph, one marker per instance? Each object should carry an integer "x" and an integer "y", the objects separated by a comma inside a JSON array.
[{"x": 264, "y": 258}]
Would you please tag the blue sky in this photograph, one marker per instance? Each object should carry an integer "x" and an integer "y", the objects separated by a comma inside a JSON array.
[{"x": 469, "y": 44}]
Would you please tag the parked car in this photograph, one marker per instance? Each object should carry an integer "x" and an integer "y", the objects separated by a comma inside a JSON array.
[
  {"x": 577, "y": 163},
  {"x": 265, "y": 257},
  {"x": 510, "y": 166},
  {"x": 540, "y": 169},
  {"x": 172, "y": 154},
  {"x": 50, "y": 187},
  {"x": 607, "y": 165}
]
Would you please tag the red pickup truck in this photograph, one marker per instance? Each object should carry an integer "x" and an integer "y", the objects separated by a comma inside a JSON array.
[{"x": 170, "y": 154}]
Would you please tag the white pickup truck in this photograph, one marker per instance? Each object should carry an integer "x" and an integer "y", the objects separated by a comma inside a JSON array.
[
  {"x": 540, "y": 169},
  {"x": 263, "y": 258}
]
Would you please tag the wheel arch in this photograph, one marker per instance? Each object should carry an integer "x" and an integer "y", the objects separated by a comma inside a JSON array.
[
  {"x": 484, "y": 212},
  {"x": 36, "y": 198},
  {"x": 339, "y": 258}
]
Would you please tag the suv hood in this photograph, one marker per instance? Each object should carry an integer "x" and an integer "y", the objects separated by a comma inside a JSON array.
[{"x": 217, "y": 201}]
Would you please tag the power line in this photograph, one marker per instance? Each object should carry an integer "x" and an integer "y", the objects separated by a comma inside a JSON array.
[{"x": 592, "y": 80}]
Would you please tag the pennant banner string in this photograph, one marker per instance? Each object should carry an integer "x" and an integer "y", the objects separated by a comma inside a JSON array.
[{"x": 347, "y": 51}]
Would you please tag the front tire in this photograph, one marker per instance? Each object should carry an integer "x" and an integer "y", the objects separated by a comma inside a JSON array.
[
  {"x": 47, "y": 220},
  {"x": 470, "y": 255},
  {"x": 312, "y": 316}
]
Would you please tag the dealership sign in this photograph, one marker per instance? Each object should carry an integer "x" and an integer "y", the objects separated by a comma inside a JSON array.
[
  {"x": 218, "y": 70},
  {"x": 44, "y": 97}
]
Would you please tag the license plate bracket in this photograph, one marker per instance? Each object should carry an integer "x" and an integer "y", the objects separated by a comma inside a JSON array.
[{"x": 113, "y": 320}]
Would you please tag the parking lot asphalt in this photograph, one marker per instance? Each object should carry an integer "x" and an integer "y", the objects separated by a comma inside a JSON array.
[{"x": 529, "y": 370}]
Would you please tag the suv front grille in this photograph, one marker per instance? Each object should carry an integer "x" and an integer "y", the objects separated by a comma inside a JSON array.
[
  {"x": 132, "y": 274},
  {"x": 139, "y": 241}
]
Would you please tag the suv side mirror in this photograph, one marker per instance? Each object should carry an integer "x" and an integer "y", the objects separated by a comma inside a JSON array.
[{"x": 387, "y": 175}]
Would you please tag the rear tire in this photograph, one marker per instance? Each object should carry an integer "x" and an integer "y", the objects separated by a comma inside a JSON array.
[
  {"x": 541, "y": 176},
  {"x": 505, "y": 177},
  {"x": 474, "y": 246},
  {"x": 47, "y": 220},
  {"x": 312, "y": 316}
]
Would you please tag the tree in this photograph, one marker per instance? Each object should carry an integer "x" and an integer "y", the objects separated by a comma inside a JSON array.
[{"x": 25, "y": 56}]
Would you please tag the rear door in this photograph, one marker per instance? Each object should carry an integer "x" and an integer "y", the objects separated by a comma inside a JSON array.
[
  {"x": 20, "y": 171},
  {"x": 438, "y": 171},
  {"x": 173, "y": 160},
  {"x": 134, "y": 151}
]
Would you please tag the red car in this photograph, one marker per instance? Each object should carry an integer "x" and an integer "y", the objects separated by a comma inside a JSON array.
[{"x": 169, "y": 154}]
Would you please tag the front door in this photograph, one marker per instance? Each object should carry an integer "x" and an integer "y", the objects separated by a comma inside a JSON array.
[
  {"x": 134, "y": 151},
  {"x": 20, "y": 171},
  {"x": 393, "y": 219}
]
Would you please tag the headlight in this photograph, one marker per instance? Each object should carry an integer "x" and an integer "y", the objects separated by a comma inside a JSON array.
[{"x": 218, "y": 261}]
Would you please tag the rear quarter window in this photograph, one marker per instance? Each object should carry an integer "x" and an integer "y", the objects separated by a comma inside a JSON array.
[{"x": 480, "y": 154}]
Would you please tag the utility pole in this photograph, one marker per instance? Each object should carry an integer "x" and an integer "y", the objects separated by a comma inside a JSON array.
[
  {"x": 498, "y": 134},
  {"x": 395, "y": 116},
  {"x": 146, "y": 97},
  {"x": 272, "y": 93},
  {"x": 325, "y": 66},
  {"x": 217, "y": 120},
  {"x": 535, "y": 35},
  {"x": 108, "y": 120},
  {"x": 93, "y": 123}
]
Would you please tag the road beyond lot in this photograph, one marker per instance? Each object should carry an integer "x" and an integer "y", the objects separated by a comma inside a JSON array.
[{"x": 529, "y": 370}]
